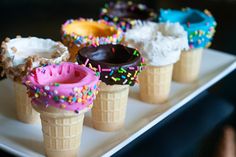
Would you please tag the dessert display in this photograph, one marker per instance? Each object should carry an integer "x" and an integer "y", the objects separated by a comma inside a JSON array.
[
  {"x": 83, "y": 32},
  {"x": 118, "y": 67},
  {"x": 62, "y": 93},
  {"x": 19, "y": 55},
  {"x": 200, "y": 27},
  {"x": 124, "y": 13},
  {"x": 92, "y": 71},
  {"x": 160, "y": 45}
]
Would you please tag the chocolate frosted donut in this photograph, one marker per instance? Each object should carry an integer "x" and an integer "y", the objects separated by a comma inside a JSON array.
[
  {"x": 124, "y": 13},
  {"x": 117, "y": 64}
]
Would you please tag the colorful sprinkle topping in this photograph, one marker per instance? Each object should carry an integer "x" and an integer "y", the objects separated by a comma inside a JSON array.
[
  {"x": 92, "y": 39},
  {"x": 199, "y": 25},
  {"x": 69, "y": 96},
  {"x": 121, "y": 68},
  {"x": 125, "y": 14}
]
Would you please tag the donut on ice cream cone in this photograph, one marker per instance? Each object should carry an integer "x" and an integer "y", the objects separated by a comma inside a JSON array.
[
  {"x": 118, "y": 67},
  {"x": 200, "y": 27},
  {"x": 125, "y": 13},
  {"x": 20, "y": 55},
  {"x": 62, "y": 94},
  {"x": 83, "y": 32},
  {"x": 160, "y": 45}
]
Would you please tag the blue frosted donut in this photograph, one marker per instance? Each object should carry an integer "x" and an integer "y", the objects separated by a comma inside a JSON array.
[{"x": 199, "y": 25}]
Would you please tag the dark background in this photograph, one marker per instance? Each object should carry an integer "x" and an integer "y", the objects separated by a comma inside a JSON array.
[
  {"x": 209, "y": 112},
  {"x": 43, "y": 18}
]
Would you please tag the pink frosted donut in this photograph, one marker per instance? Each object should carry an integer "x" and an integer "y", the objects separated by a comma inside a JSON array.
[{"x": 66, "y": 86}]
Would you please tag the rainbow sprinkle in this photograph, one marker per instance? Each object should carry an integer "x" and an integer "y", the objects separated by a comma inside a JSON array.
[
  {"x": 91, "y": 40},
  {"x": 122, "y": 75}
]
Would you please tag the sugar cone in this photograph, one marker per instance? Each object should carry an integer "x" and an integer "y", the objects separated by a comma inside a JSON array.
[
  {"x": 61, "y": 131},
  {"x": 186, "y": 70},
  {"x": 24, "y": 110},
  {"x": 155, "y": 83},
  {"x": 108, "y": 113}
]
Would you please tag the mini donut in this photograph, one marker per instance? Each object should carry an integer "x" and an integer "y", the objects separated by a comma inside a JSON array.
[
  {"x": 199, "y": 25},
  {"x": 66, "y": 86},
  {"x": 19, "y": 55},
  {"x": 117, "y": 64},
  {"x": 83, "y": 32},
  {"x": 124, "y": 13}
]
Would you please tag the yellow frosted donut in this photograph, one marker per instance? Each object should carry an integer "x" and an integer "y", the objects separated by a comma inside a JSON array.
[{"x": 83, "y": 32}]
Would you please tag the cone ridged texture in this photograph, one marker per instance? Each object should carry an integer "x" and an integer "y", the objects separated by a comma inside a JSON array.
[
  {"x": 108, "y": 112},
  {"x": 24, "y": 110},
  {"x": 154, "y": 83},
  {"x": 61, "y": 131},
  {"x": 62, "y": 134},
  {"x": 186, "y": 70}
]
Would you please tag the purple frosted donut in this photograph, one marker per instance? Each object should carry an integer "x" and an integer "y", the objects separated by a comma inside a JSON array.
[{"x": 125, "y": 13}]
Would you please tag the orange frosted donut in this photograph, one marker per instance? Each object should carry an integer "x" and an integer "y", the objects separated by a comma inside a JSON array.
[{"x": 83, "y": 32}]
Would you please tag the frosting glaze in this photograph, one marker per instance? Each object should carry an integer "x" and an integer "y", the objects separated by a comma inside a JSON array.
[
  {"x": 159, "y": 44},
  {"x": 199, "y": 25},
  {"x": 89, "y": 32},
  {"x": 117, "y": 64},
  {"x": 66, "y": 86},
  {"x": 124, "y": 13},
  {"x": 19, "y": 55}
]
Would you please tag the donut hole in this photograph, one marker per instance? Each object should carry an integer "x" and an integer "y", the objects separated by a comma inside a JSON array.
[
  {"x": 63, "y": 74},
  {"x": 192, "y": 17},
  {"x": 112, "y": 54},
  {"x": 70, "y": 78},
  {"x": 90, "y": 28}
]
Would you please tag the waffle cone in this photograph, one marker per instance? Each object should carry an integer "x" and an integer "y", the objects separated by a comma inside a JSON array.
[
  {"x": 187, "y": 68},
  {"x": 61, "y": 131},
  {"x": 24, "y": 110},
  {"x": 155, "y": 83},
  {"x": 108, "y": 112}
]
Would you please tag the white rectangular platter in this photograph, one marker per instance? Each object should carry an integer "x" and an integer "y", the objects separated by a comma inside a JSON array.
[{"x": 26, "y": 140}]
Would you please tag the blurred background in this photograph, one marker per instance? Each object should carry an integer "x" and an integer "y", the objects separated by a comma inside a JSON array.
[
  {"x": 176, "y": 136},
  {"x": 43, "y": 18}
]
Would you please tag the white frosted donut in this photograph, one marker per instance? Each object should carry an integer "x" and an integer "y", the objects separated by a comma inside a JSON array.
[
  {"x": 19, "y": 55},
  {"x": 159, "y": 43}
]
